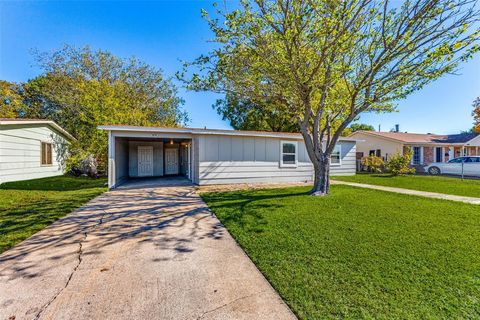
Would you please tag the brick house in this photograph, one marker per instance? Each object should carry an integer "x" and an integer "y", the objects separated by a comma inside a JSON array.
[{"x": 427, "y": 148}]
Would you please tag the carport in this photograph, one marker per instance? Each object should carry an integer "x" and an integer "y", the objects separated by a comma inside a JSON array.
[{"x": 146, "y": 155}]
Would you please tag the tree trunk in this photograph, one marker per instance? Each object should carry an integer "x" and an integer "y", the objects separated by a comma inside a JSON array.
[{"x": 321, "y": 184}]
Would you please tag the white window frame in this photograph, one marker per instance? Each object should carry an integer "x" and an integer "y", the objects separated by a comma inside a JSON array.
[
  {"x": 291, "y": 165},
  {"x": 338, "y": 148}
]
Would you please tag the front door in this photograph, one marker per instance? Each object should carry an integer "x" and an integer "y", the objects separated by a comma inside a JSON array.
[
  {"x": 171, "y": 161},
  {"x": 145, "y": 161}
]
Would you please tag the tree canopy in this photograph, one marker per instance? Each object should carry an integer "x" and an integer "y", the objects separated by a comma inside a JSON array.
[
  {"x": 11, "y": 101},
  {"x": 247, "y": 115},
  {"x": 81, "y": 89},
  {"x": 326, "y": 62}
]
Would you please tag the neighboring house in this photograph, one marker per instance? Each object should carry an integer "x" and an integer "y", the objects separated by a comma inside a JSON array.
[
  {"x": 208, "y": 156},
  {"x": 427, "y": 148},
  {"x": 31, "y": 149}
]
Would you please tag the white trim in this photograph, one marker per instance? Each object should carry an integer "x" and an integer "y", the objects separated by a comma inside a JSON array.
[
  {"x": 473, "y": 142},
  {"x": 339, "y": 147},
  {"x": 421, "y": 155},
  {"x": 160, "y": 130},
  {"x": 47, "y": 122},
  {"x": 425, "y": 143},
  {"x": 285, "y": 165}
]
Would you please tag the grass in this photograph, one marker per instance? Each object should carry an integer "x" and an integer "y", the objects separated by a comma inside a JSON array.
[
  {"x": 440, "y": 184},
  {"x": 360, "y": 253},
  {"x": 29, "y": 206}
]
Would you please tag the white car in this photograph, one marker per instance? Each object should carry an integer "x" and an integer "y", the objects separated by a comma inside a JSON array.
[{"x": 471, "y": 166}]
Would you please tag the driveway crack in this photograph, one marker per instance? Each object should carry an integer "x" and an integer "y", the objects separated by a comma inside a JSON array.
[
  {"x": 229, "y": 303},
  {"x": 75, "y": 268}
]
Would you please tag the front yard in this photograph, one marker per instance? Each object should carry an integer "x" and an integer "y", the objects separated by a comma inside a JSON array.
[
  {"x": 360, "y": 253},
  {"x": 29, "y": 206},
  {"x": 447, "y": 185}
]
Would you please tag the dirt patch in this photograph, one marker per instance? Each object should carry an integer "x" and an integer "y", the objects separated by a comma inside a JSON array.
[{"x": 248, "y": 186}]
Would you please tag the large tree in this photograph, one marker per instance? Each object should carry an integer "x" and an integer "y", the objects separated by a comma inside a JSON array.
[
  {"x": 329, "y": 61},
  {"x": 81, "y": 89},
  {"x": 248, "y": 115}
]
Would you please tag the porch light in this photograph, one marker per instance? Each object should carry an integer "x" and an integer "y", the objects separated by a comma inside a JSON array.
[{"x": 171, "y": 141}]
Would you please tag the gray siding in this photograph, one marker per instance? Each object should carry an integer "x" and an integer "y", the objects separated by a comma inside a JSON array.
[
  {"x": 227, "y": 159},
  {"x": 157, "y": 157},
  {"x": 20, "y": 148}
]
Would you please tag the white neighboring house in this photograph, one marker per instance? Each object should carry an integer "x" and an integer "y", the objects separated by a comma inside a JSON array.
[
  {"x": 210, "y": 156},
  {"x": 31, "y": 149}
]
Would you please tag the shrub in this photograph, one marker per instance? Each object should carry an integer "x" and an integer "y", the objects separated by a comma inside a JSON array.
[
  {"x": 399, "y": 164},
  {"x": 373, "y": 164}
]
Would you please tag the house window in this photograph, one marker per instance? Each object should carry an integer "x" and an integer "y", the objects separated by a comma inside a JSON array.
[
  {"x": 336, "y": 156},
  {"x": 371, "y": 152},
  {"x": 416, "y": 155},
  {"x": 288, "y": 154},
  {"x": 46, "y": 153}
]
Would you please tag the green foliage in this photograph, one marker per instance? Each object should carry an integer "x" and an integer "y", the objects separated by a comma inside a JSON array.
[
  {"x": 357, "y": 127},
  {"x": 326, "y": 62},
  {"x": 399, "y": 164},
  {"x": 247, "y": 115},
  {"x": 81, "y": 89},
  {"x": 11, "y": 100},
  {"x": 361, "y": 126},
  {"x": 359, "y": 253},
  {"x": 373, "y": 164}
]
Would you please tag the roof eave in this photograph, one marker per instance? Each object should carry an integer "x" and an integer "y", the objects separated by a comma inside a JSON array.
[
  {"x": 210, "y": 132},
  {"x": 46, "y": 122}
]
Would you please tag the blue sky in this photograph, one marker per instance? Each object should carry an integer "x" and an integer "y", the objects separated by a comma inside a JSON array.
[{"x": 163, "y": 33}]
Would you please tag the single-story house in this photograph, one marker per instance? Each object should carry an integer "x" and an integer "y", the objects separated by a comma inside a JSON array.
[
  {"x": 208, "y": 156},
  {"x": 31, "y": 149},
  {"x": 427, "y": 148}
]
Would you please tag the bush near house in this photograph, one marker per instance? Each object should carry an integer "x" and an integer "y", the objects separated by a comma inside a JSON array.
[
  {"x": 399, "y": 164},
  {"x": 373, "y": 164}
]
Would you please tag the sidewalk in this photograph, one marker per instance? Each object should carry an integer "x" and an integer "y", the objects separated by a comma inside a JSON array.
[{"x": 426, "y": 194}]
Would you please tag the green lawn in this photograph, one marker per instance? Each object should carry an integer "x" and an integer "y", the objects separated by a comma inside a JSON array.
[
  {"x": 29, "y": 206},
  {"x": 360, "y": 253},
  {"x": 447, "y": 185}
]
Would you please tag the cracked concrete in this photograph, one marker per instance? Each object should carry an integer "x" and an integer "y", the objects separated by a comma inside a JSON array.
[{"x": 139, "y": 252}]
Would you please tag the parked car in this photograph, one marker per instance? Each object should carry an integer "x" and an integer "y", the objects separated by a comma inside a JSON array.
[{"x": 471, "y": 166}]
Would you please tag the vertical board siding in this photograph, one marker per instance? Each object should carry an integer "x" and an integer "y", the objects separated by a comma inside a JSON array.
[
  {"x": 20, "y": 152},
  {"x": 226, "y": 159}
]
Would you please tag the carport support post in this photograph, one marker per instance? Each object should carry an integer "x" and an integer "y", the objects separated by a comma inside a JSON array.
[{"x": 111, "y": 160}]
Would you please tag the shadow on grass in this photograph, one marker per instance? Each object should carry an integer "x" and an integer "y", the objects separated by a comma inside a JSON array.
[
  {"x": 244, "y": 208},
  {"x": 60, "y": 183}
]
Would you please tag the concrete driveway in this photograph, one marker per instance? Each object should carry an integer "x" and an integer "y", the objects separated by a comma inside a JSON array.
[{"x": 142, "y": 252}]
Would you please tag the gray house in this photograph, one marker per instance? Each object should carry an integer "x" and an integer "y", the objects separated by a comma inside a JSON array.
[
  {"x": 207, "y": 156},
  {"x": 31, "y": 149}
]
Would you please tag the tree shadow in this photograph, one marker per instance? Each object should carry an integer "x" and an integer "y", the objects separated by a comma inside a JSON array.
[
  {"x": 58, "y": 183},
  {"x": 173, "y": 220},
  {"x": 244, "y": 208}
]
